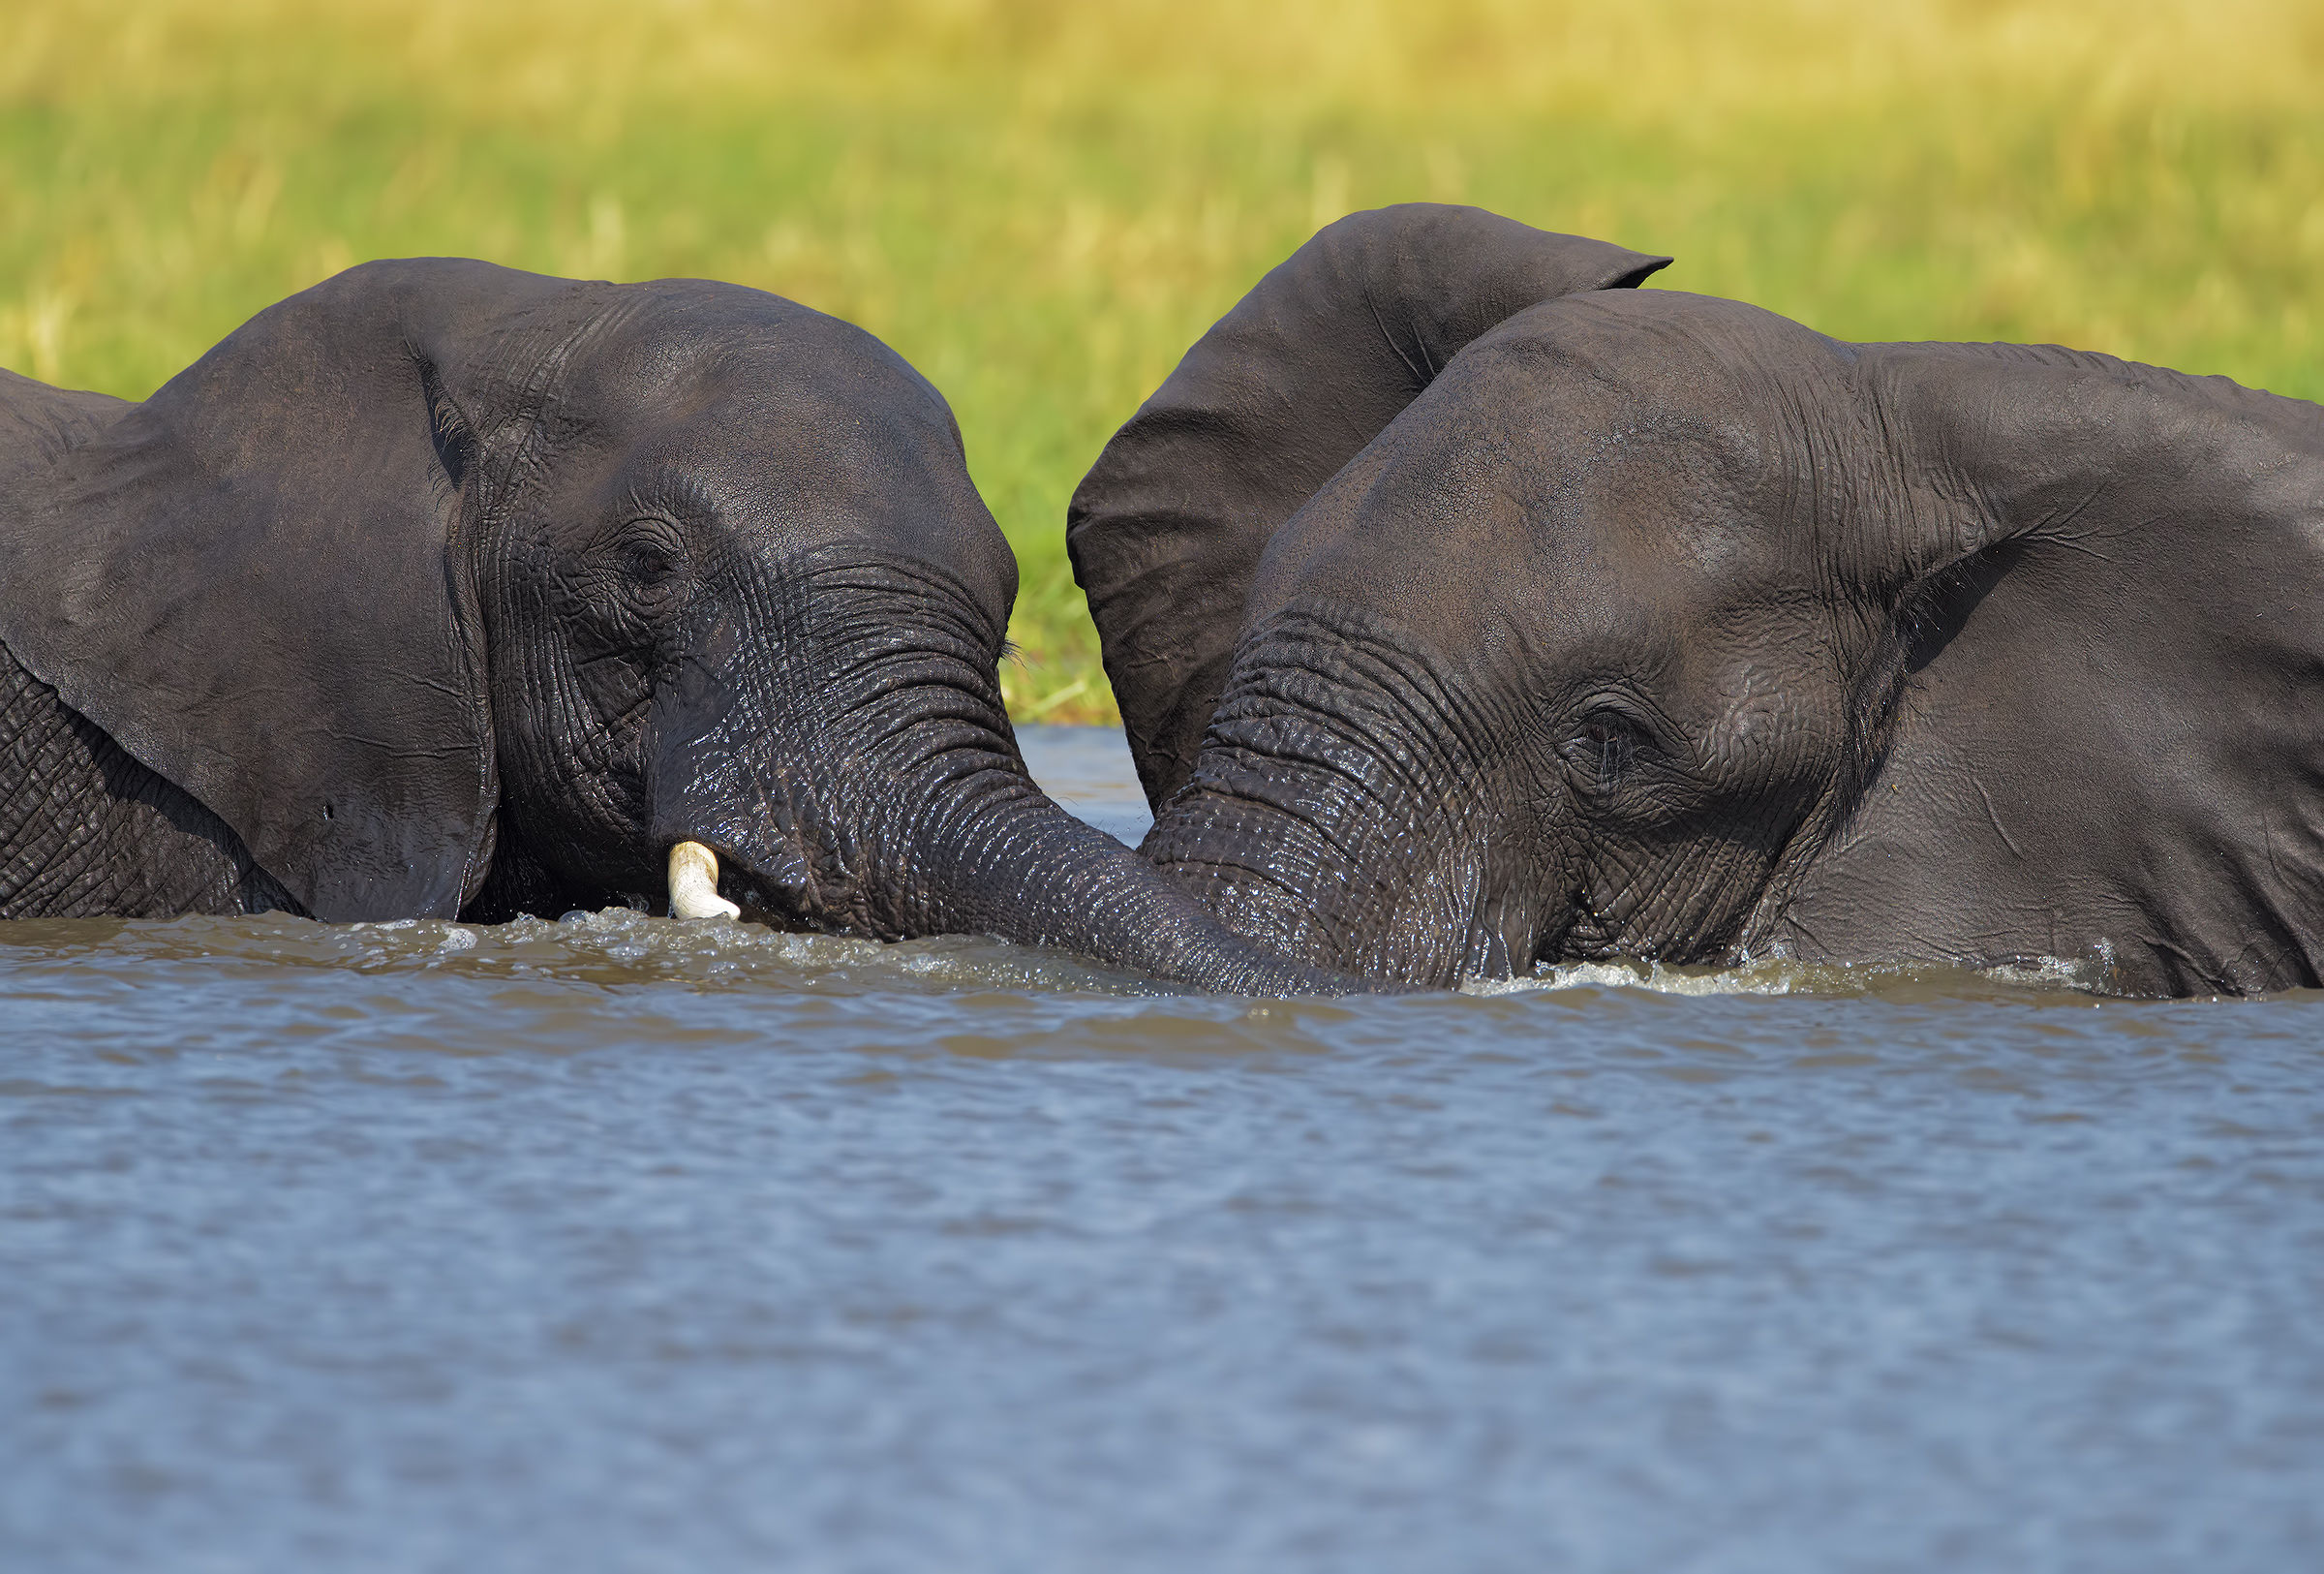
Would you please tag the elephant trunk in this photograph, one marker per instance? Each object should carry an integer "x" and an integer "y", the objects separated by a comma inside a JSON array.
[
  {"x": 1338, "y": 880},
  {"x": 927, "y": 827},
  {"x": 1339, "y": 813},
  {"x": 1011, "y": 862}
]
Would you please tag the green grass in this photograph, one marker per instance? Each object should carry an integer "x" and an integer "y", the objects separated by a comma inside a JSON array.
[{"x": 1042, "y": 204}]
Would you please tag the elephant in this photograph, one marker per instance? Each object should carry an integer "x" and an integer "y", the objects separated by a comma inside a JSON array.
[
  {"x": 1467, "y": 614},
  {"x": 446, "y": 589}
]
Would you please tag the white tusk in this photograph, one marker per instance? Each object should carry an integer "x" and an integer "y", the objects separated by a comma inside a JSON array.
[{"x": 694, "y": 885}]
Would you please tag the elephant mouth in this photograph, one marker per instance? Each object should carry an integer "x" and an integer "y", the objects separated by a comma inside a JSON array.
[{"x": 1582, "y": 933}]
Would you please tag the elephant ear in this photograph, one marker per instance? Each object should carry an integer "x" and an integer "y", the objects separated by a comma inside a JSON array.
[
  {"x": 250, "y": 582},
  {"x": 2000, "y": 442},
  {"x": 1166, "y": 530}
]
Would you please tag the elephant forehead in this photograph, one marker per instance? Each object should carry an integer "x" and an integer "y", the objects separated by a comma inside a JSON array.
[
  {"x": 783, "y": 451},
  {"x": 796, "y": 457},
  {"x": 1562, "y": 476},
  {"x": 1676, "y": 346},
  {"x": 730, "y": 364},
  {"x": 1455, "y": 530},
  {"x": 826, "y": 379},
  {"x": 1737, "y": 658},
  {"x": 785, "y": 494},
  {"x": 679, "y": 324}
]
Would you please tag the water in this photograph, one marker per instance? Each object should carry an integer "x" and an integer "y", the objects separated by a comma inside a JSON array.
[{"x": 622, "y": 1245}]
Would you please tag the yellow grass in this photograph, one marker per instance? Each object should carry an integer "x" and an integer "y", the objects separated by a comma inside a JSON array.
[{"x": 1041, "y": 204}]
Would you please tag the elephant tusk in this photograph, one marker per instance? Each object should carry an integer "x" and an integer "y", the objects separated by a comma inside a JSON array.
[{"x": 694, "y": 885}]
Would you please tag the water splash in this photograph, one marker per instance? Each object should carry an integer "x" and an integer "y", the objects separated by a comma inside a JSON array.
[{"x": 1785, "y": 976}]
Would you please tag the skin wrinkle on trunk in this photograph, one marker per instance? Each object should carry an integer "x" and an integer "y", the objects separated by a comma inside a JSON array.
[
  {"x": 1098, "y": 899},
  {"x": 1301, "y": 826},
  {"x": 1314, "y": 904},
  {"x": 922, "y": 818}
]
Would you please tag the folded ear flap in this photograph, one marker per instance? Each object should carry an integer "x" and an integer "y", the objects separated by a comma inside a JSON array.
[
  {"x": 250, "y": 582},
  {"x": 2003, "y": 442},
  {"x": 1166, "y": 530}
]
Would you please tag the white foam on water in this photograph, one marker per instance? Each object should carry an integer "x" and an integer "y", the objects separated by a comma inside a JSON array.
[{"x": 1785, "y": 976}]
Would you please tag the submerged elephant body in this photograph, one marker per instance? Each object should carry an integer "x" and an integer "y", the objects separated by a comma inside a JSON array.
[
  {"x": 1658, "y": 625},
  {"x": 446, "y": 590}
]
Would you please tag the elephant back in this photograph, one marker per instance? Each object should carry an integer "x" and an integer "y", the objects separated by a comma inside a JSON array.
[{"x": 1166, "y": 530}]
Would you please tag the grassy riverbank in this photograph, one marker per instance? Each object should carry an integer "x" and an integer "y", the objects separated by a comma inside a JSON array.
[{"x": 1042, "y": 203}]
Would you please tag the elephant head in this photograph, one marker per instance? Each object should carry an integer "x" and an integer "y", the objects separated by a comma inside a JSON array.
[
  {"x": 1660, "y": 625},
  {"x": 454, "y": 590}
]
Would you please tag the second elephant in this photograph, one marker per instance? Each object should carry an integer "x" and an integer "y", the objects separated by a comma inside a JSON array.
[{"x": 1565, "y": 622}]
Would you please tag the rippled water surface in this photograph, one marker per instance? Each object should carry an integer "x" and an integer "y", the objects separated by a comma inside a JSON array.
[{"x": 618, "y": 1243}]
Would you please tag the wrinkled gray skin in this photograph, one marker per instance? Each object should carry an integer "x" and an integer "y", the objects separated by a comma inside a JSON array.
[
  {"x": 1660, "y": 625},
  {"x": 441, "y": 589}
]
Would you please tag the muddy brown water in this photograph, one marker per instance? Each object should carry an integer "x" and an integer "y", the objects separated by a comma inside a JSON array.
[{"x": 618, "y": 1243}]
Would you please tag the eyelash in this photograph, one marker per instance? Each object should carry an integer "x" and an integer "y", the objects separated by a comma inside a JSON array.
[
  {"x": 1615, "y": 750},
  {"x": 1604, "y": 746},
  {"x": 649, "y": 550}
]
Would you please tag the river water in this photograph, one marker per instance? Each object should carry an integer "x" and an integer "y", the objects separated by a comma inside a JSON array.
[{"x": 616, "y": 1244}]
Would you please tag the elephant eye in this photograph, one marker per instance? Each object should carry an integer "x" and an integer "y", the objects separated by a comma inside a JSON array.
[
  {"x": 650, "y": 553},
  {"x": 1602, "y": 748},
  {"x": 647, "y": 564}
]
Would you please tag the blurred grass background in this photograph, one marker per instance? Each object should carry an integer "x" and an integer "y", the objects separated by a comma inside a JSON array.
[{"x": 1041, "y": 203}]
